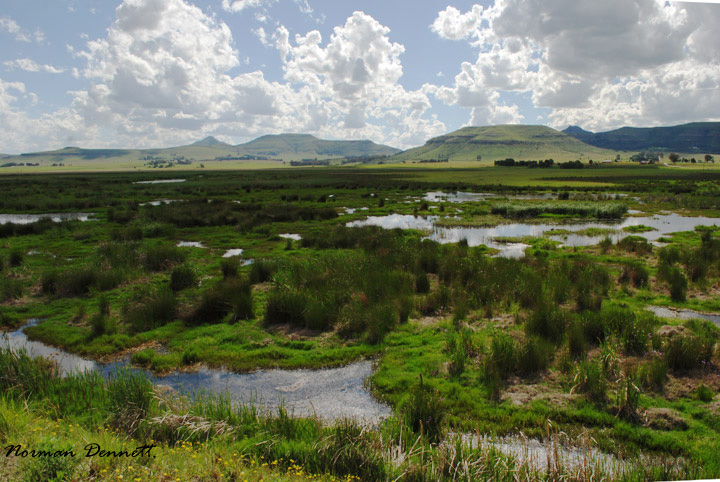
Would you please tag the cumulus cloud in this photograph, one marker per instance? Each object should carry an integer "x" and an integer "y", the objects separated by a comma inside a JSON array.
[
  {"x": 453, "y": 25},
  {"x": 356, "y": 76},
  {"x": 162, "y": 76},
  {"x": 30, "y": 65},
  {"x": 239, "y": 5},
  {"x": 10, "y": 26},
  {"x": 597, "y": 64}
]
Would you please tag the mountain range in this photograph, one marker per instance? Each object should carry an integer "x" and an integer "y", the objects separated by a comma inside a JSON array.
[
  {"x": 484, "y": 144},
  {"x": 696, "y": 137}
]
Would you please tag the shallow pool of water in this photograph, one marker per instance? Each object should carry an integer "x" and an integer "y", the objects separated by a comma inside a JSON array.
[
  {"x": 31, "y": 218},
  {"x": 190, "y": 244},
  {"x": 684, "y": 314},
  {"x": 662, "y": 225},
  {"x": 232, "y": 252},
  {"x": 160, "y": 181},
  {"x": 331, "y": 393},
  {"x": 295, "y": 237}
]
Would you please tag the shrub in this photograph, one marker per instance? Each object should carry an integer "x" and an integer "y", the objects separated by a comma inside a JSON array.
[
  {"x": 182, "y": 277},
  {"x": 16, "y": 257},
  {"x": 422, "y": 283},
  {"x": 635, "y": 336},
  {"x": 548, "y": 322},
  {"x": 628, "y": 398},
  {"x": 675, "y": 279},
  {"x": 161, "y": 257},
  {"x": 229, "y": 268},
  {"x": 423, "y": 411},
  {"x": 635, "y": 244},
  {"x": 653, "y": 374},
  {"x": 232, "y": 296},
  {"x": 577, "y": 345},
  {"x": 261, "y": 271},
  {"x": 502, "y": 357},
  {"x": 589, "y": 380},
  {"x": 75, "y": 282},
  {"x": 130, "y": 396},
  {"x": 10, "y": 289},
  {"x": 687, "y": 352},
  {"x": 382, "y": 318},
  {"x": 605, "y": 244},
  {"x": 143, "y": 357},
  {"x": 533, "y": 356},
  {"x": 704, "y": 393},
  {"x": 635, "y": 273},
  {"x": 190, "y": 357},
  {"x": 153, "y": 311}
]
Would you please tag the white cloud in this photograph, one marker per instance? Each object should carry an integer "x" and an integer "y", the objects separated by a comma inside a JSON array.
[
  {"x": 598, "y": 64},
  {"x": 356, "y": 77},
  {"x": 239, "y": 5},
  {"x": 10, "y": 26},
  {"x": 161, "y": 76},
  {"x": 453, "y": 25},
  {"x": 30, "y": 65}
]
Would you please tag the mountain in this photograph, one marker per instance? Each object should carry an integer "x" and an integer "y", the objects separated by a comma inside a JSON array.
[
  {"x": 210, "y": 141},
  {"x": 696, "y": 137},
  {"x": 521, "y": 142},
  {"x": 270, "y": 148},
  {"x": 305, "y": 146}
]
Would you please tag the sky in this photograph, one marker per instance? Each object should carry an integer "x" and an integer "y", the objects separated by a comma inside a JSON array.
[{"x": 159, "y": 73}]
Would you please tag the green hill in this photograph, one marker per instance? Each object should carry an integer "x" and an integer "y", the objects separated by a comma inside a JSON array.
[
  {"x": 697, "y": 137},
  {"x": 521, "y": 142},
  {"x": 305, "y": 146},
  {"x": 286, "y": 147}
]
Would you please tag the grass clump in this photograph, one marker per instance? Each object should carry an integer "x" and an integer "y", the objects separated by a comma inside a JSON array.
[
  {"x": 590, "y": 380},
  {"x": 182, "y": 277},
  {"x": 152, "y": 311},
  {"x": 687, "y": 352},
  {"x": 423, "y": 411},
  {"x": 160, "y": 257},
  {"x": 232, "y": 296}
]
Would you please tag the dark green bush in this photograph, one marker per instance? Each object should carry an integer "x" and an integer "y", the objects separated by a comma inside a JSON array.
[
  {"x": 635, "y": 273},
  {"x": 160, "y": 257},
  {"x": 423, "y": 411},
  {"x": 534, "y": 355},
  {"x": 262, "y": 270},
  {"x": 589, "y": 379},
  {"x": 548, "y": 322},
  {"x": 229, "y": 268},
  {"x": 687, "y": 352},
  {"x": 153, "y": 311},
  {"x": 675, "y": 279},
  {"x": 577, "y": 345},
  {"x": 228, "y": 297},
  {"x": 16, "y": 257},
  {"x": 182, "y": 277},
  {"x": 422, "y": 283}
]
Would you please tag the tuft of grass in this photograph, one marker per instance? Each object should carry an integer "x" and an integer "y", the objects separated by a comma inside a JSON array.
[
  {"x": 153, "y": 311},
  {"x": 182, "y": 277},
  {"x": 232, "y": 296}
]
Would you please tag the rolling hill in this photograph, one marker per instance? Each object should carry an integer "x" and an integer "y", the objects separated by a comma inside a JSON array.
[
  {"x": 283, "y": 147},
  {"x": 305, "y": 146},
  {"x": 699, "y": 137},
  {"x": 521, "y": 142}
]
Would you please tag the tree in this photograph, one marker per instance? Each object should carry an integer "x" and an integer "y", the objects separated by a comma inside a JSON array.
[
  {"x": 709, "y": 158},
  {"x": 673, "y": 157}
]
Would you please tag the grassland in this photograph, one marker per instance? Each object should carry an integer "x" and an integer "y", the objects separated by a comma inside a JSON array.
[{"x": 464, "y": 343}]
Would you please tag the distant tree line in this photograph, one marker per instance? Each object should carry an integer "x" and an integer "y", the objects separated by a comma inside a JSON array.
[{"x": 510, "y": 162}]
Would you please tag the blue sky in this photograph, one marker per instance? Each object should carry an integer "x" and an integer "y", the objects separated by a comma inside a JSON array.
[{"x": 154, "y": 73}]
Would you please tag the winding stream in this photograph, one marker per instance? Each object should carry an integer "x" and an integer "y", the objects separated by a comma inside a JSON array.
[{"x": 331, "y": 394}]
